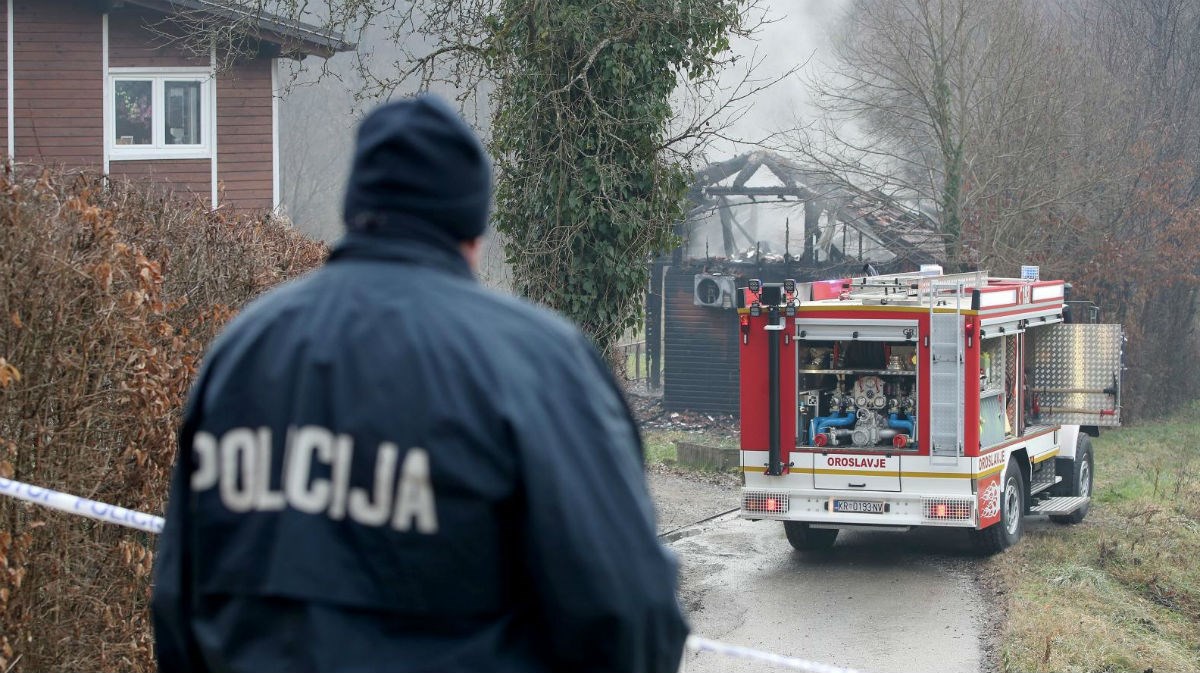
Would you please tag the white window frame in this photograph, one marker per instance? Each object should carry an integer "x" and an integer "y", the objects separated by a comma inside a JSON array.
[{"x": 160, "y": 149}]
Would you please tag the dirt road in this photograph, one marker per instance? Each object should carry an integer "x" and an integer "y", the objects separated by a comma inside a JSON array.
[{"x": 879, "y": 602}]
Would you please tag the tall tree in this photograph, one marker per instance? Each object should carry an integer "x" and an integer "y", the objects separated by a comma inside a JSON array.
[
  {"x": 587, "y": 192},
  {"x": 1058, "y": 133},
  {"x": 1140, "y": 256},
  {"x": 958, "y": 105}
]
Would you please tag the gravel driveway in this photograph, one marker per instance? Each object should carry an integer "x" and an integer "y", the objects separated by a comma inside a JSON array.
[
  {"x": 683, "y": 497},
  {"x": 879, "y": 601}
]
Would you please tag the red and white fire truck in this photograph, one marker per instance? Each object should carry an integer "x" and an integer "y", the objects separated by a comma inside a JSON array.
[{"x": 923, "y": 399}]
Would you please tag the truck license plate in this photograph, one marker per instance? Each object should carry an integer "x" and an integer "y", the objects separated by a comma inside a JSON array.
[{"x": 860, "y": 506}]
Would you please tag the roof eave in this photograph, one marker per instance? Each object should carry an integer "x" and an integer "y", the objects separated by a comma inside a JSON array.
[{"x": 294, "y": 38}]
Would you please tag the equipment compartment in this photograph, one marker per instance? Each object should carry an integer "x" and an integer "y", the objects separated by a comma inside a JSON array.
[{"x": 856, "y": 395}]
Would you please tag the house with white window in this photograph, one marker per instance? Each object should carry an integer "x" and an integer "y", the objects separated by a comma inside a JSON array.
[{"x": 101, "y": 84}]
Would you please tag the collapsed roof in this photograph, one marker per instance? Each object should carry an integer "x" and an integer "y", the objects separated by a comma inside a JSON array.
[{"x": 762, "y": 208}]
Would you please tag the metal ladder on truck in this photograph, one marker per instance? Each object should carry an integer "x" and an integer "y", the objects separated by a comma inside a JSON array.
[{"x": 946, "y": 363}]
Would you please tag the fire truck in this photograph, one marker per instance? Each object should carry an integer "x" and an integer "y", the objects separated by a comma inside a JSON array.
[{"x": 925, "y": 399}]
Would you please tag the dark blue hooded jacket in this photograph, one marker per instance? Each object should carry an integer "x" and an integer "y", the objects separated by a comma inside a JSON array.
[{"x": 385, "y": 467}]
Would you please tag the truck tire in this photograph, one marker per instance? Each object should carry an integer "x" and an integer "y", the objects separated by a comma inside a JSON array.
[
  {"x": 803, "y": 537},
  {"x": 1078, "y": 483},
  {"x": 1007, "y": 531}
]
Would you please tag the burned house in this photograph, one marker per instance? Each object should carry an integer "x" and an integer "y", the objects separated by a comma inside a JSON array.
[{"x": 761, "y": 216}]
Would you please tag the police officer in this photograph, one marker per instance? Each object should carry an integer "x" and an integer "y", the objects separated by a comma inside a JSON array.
[{"x": 385, "y": 467}]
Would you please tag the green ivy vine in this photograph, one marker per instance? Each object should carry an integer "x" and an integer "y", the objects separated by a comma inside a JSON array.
[{"x": 587, "y": 192}]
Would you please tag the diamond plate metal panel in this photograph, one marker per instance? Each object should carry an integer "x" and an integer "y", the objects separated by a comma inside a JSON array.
[
  {"x": 947, "y": 392},
  {"x": 1061, "y": 505},
  {"x": 1077, "y": 374},
  {"x": 1010, "y": 377}
]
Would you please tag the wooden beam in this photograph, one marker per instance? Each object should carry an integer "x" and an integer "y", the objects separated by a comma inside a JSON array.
[{"x": 758, "y": 191}]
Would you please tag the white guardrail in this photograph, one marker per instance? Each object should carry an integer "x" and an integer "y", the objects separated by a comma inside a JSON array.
[{"x": 99, "y": 511}]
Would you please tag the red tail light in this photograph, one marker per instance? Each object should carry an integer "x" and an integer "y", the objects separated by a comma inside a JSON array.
[
  {"x": 773, "y": 503},
  {"x": 948, "y": 510}
]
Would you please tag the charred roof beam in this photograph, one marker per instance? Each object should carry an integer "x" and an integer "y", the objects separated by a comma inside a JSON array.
[
  {"x": 751, "y": 167},
  {"x": 728, "y": 222},
  {"x": 798, "y": 192}
]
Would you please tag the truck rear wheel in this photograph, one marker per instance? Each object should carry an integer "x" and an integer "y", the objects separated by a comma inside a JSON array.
[
  {"x": 803, "y": 537},
  {"x": 1079, "y": 482},
  {"x": 1007, "y": 531}
]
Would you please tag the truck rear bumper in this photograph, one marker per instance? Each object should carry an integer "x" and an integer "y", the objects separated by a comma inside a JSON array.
[{"x": 859, "y": 508}]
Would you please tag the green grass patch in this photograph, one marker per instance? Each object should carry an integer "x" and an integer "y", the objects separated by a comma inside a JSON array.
[
  {"x": 1121, "y": 591},
  {"x": 660, "y": 444}
]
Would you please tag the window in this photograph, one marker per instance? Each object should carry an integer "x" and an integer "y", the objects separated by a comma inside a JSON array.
[{"x": 159, "y": 114}]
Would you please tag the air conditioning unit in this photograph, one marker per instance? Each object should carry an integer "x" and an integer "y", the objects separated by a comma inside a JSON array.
[{"x": 714, "y": 290}]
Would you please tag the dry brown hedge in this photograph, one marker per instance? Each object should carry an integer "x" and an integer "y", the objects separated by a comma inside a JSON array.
[{"x": 110, "y": 293}]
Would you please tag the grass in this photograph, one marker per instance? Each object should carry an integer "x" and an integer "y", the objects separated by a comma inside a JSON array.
[
  {"x": 637, "y": 365},
  {"x": 660, "y": 444},
  {"x": 1121, "y": 591}
]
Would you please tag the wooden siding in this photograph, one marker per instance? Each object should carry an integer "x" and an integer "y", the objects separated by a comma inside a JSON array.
[
  {"x": 245, "y": 163},
  {"x": 135, "y": 41},
  {"x": 3, "y": 80},
  {"x": 700, "y": 359},
  {"x": 58, "y": 85},
  {"x": 138, "y": 38},
  {"x": 59, "y": 98},
  {"x": 188, "y": 178}
]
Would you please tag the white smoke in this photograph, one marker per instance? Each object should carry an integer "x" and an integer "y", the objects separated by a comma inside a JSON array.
[{"x": 795, "y": 34}]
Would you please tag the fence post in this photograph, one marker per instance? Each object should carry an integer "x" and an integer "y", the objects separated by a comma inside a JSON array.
[{"x": 637, "y": 368}]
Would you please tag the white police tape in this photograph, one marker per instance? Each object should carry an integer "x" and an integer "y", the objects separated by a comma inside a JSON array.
[
  {"x": 698, "y": 644},
  {"x": 150, "y": 523},
  {"x": 74, "y": 504}
]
